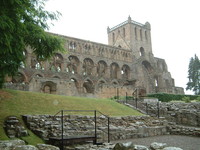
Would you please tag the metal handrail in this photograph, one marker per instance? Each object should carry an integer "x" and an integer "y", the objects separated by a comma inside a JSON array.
[{"x": 95, "y": 119}]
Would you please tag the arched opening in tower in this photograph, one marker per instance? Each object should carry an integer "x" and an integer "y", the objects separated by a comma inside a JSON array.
[
  {"x": 142, "y": 52},
  {"x": 148, "y": 66}
]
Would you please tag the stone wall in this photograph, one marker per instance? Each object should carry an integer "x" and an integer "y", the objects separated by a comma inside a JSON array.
[
  {"x": 183, "y": 130},
  {"x": 181, "y": 113},
  {"x": 46, "y": 126}
]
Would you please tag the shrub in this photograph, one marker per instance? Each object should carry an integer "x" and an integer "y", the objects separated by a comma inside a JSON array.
[
  {"x": 198, "y": 99},
  {"x": 164, "y": 97},
  {"x": 186, "y": 99}
]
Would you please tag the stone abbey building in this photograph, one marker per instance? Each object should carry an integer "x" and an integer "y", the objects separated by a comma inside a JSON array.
[{"x": 125, "y": 65}]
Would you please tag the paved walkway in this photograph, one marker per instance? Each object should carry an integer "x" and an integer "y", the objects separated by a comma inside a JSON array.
[{"x": 184, "y": 142}]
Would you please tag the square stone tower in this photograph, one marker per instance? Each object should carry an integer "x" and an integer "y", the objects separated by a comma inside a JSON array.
[{"x": 131, "y": 35}]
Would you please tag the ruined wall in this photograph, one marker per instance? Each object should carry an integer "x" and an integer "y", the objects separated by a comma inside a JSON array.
[
  {"x": 94, "y": 69},
  {"x": 187, "y": 114},
  {"x": 46, "y": 126}
]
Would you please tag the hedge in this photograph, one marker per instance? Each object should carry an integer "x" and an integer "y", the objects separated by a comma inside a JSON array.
[{"x": 164, "y": 97}]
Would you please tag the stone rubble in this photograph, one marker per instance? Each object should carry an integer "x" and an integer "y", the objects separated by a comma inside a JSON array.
[
  {"x": 20, "y": 145},
  {"x": 14, "y": 127}
]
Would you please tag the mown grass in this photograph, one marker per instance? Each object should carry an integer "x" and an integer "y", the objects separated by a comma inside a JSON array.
[{"x": 17, "y": 103}]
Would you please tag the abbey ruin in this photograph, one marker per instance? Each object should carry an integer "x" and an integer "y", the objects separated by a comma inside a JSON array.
[{"x": 125, "y": 65}]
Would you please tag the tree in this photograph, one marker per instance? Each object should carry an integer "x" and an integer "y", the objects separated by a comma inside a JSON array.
[
  {"x": 23, "y": 23},
  {"x": 194, "y": 75}
]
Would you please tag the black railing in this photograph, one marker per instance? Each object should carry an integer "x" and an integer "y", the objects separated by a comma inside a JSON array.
[
  {"x": 149, "y": 108},
  {"x": 75, "y": 126}
]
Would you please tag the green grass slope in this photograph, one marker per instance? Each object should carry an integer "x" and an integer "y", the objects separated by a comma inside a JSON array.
[{"x": 18, "y": 103}]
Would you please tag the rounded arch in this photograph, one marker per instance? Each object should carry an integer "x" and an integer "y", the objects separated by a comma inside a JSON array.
[
  {"x": 56, "y": 77},
  {"x": 101, "y": 82},
  {"x": 88, "y": 65},
  {"x": 49, "y": 87},
  {"x": 114, "y": 70},
  {"x": 101, "y": 68},
  {"x": 142, "y": 52},
  {"x": 135, "y": 33},
  {"x": 147, "y": 65},
  {"x": 125, "y": 71},
  {"x": 57, "y": 63},
  {"x": 75, "y": 81},
  {"x": 72, "y": 66},
  {"x": 35, "y": 64},
  {"x": 19, "y": 78},
  {"x": 38, "y": 74},
  {"x": 114, "y": 82},
  {"x": 58, "y": 57},
  {"x": 88, "y": 86}
]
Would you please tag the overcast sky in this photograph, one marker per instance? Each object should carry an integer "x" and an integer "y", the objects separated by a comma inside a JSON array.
[{"x": 175, "y": 26}]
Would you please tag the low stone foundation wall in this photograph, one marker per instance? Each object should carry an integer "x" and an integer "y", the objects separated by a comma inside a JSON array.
[
  {"x": 183, "y": 130},
  {"x": 46, "y": 126},
  {"x": 182, "y": 113}
]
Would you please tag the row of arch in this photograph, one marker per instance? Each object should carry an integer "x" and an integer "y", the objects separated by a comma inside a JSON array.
[
  {"x": 86, "y": 67},
  {"x": 87, "y": 84}
]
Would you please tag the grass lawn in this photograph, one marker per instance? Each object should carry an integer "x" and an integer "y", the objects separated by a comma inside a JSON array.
[{"x": 18, "y": 103}]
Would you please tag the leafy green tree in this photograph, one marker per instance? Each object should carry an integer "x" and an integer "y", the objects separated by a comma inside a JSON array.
[
  {"x": 23, "y": 23},
  {"x": 194, "y": 75}
]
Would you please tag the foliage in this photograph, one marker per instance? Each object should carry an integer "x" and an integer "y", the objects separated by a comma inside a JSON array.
[
  {"x": 194, "y": 75},
  {"x": 164, "y": 97},
  {"x": 198, "y": 99},
  {"x": 186, "y": 99},
  {"x": 18, "y": 103},
  {"x": 22, "y": 24}
]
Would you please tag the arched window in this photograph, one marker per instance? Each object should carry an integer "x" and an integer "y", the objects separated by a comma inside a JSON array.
[
  {"x": 72, "y": 66},
  {"x": 141, "y": 34},
  {"x": 135, "y": 33},
  {"x": 146, "y": 36},
  {"x": 57, "y": 63},
  {"x": 88, "y": 65},
  {"x": 148, "y": 66},
  {"x": 72, "y": 45},
  {"x": 142, "y": 53},
  {"x": 125, "y": 71},
  {"x": 124, "y": 32},
  {"x": 113, "y": 37},
  {"x": 156, "y": 82},
  {"x": 114, "y": 70},
  {"x": 101, "y": 68}
]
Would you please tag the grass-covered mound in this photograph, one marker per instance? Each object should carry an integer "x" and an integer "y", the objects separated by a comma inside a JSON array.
[{"x": 18, "y": 103}]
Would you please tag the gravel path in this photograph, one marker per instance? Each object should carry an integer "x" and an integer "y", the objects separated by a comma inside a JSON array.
[{"x": 184, "y": 142}]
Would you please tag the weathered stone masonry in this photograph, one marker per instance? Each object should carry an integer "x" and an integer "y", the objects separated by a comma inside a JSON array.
[{"x": 93, "y": 69}]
